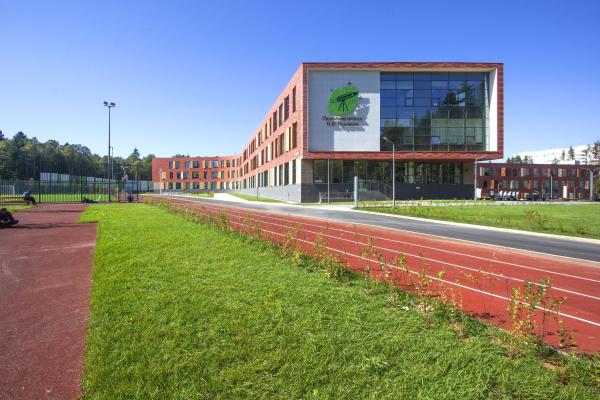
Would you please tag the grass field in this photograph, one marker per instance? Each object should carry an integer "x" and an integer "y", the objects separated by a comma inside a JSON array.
[
  {"x": 13, "y": 209},
  {"x": 253, "y": 198},
  {"x": 189, "y": 311},
  {"x": 581, "y": 220},
  {"x": 209, "y": 195}
]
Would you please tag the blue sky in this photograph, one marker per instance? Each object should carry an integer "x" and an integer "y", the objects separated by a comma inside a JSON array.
[{"x": 196, "y": 77}]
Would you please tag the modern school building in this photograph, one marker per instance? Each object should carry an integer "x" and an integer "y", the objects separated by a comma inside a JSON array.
[{"x": 335, "y": 121}]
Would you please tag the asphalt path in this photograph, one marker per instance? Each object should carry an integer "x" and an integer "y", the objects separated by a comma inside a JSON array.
[{"x": 582, "y": 249}]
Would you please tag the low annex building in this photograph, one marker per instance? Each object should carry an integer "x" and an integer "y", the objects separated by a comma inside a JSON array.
[
  {"x": 347, "y": 118},
  {"x": 535, "y": 181}
]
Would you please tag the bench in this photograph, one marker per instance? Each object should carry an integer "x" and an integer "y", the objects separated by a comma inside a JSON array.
[{"x": 13, "y": 199}]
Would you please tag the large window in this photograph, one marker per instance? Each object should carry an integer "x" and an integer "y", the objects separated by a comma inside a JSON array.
[
  {"x": 435, "y": 111},
  {"x": 188, "y": 164}
]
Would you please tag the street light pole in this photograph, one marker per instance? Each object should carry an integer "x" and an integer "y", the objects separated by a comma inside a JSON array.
[
  {"x": 328, "y": 178},
  {"x": 591, "y": 183},
  {"x": 109, "y": 166},
  {"x": 393, "y": 170}
]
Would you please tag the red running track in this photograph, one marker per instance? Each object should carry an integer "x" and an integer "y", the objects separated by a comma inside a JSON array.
[{"x": 488, "y": 297}]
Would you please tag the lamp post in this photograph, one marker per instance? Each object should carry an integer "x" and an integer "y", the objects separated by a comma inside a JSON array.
[
  {"x": 328, "y": 178},
  {"x": 393, "y": 170},
  {"x": 591, "y": 183},
  {"x": 109, "y": 169},
  {"x": 475, "y": 178}
]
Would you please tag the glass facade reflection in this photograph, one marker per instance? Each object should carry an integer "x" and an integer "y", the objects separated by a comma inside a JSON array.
[{"x": 434, "y": 111}]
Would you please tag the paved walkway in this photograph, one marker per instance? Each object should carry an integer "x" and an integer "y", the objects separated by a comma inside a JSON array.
[{"x": 46, "y": 266}]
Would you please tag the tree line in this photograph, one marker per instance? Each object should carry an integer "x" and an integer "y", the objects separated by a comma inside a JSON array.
[{"x": 22, "y": 148}]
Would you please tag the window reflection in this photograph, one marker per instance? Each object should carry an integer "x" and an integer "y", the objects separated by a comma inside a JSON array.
[{"x": 444, "y": 111}]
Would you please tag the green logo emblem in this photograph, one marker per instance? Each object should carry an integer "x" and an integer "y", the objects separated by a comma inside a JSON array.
[{"x": 343, "y": 100}]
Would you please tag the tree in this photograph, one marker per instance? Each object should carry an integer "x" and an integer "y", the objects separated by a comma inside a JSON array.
[
  {"x": 571, "y": 153},
  {"x": 586, "y": 153},
  {"x": 1, "y": 136},
  {"x": 20, "y": 139},
  {"x": 527, "y": 160},
  {"x": 562, "y": 156},
  {"x": 515, "y": 160},
  {"x": 596, "y": 152}
]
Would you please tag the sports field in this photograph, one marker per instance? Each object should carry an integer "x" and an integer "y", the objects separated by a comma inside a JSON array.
[{"x": 194, "y": 311}]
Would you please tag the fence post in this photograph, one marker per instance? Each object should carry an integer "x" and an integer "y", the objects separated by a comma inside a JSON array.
[{"x": 40, "y": 179}]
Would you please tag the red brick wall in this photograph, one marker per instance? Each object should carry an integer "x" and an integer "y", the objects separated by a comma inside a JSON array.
[
  {"x": 585, "y": 193},
  {"x": 158, "y": 163}
]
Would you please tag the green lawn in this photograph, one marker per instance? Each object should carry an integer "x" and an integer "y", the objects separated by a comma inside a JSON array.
[
  {"x": 581, "y": 220},
  {"x": 12, "y": 208},
  {"x": 181, "y": 310},
  {"x": 253, "y": 198},
  {"x": 210, "y": 194},
  {"x": 49, "y": 198}
]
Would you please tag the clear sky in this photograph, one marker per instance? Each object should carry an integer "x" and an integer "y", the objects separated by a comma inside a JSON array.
[{"x": 197, "y": 77}]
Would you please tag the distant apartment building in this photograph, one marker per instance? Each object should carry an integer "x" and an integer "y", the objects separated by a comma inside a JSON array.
[{"x": 550, "y": 156}]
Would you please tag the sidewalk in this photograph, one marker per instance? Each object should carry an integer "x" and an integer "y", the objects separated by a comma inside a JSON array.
[{"x": 46, "y": 265}]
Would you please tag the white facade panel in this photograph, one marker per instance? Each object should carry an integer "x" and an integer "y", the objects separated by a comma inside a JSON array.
[{"x": 356, "y": 131}]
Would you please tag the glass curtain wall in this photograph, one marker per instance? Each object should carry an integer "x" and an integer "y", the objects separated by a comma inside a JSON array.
[
  {"x": 413, "y": 172},
  {"x": 435, "y": 111}
]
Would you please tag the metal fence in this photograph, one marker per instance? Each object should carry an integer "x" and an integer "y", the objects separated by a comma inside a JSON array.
[{"x": 51, "y": 181}]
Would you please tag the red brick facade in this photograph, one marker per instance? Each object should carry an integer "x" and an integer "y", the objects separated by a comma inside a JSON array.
[{"x": 527, "y": 179}]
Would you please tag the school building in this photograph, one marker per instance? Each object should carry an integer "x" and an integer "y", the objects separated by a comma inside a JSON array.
[{"x": 335, "y": 121}]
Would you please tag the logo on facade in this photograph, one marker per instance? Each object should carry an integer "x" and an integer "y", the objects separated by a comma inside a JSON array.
[{"x": 343, "y": 100}]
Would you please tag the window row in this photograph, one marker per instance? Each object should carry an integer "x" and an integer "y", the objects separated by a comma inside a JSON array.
[
  {"x": 535, "y": 172},
  {"x": 531, "y": 184},
  {"x": 344, "y": 171},
  {"x": 205, "y": 175},
  {"x": 199, "y": 185},
  {"x": 433, "y": 76},
  {"x": 409, "y": 85},
  {"x": 205, "y": 164},
  {"x": 433, "y": 113}
]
